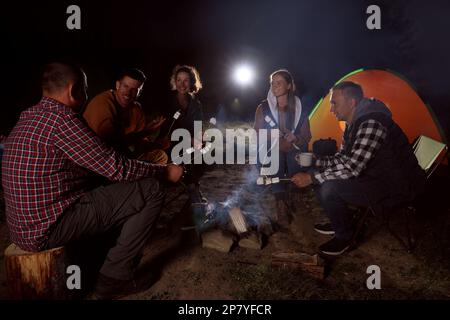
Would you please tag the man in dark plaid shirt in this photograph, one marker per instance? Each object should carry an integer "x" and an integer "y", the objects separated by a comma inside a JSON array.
[
  {"x": 375, "y": 163},
  {"x": 49, "y": 202}
]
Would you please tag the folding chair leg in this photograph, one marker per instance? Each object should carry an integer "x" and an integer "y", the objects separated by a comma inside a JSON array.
[
  {"x": 359, "y": 227},
  {"x": 410, "y": 244},
  {"x": 411, "y": 239}
]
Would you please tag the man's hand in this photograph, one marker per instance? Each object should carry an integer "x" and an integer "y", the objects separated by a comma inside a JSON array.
[
  {"x": 155, "y": 124},
  {"x": 302, "y": 179},
  {"x": 174, "y": 172}
]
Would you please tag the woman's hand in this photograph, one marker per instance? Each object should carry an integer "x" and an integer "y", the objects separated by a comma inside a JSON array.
[
  {"x": 290, "y": 137},
  {"x": 285, "y": 145}
]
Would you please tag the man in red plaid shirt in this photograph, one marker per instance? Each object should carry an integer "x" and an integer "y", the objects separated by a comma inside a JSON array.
[{"x": 47, "y": 160}]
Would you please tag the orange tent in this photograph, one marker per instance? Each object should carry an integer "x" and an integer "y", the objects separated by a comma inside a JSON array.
[{"x": 408, "y": 109}]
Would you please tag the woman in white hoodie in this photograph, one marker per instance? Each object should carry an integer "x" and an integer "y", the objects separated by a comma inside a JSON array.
[{"x": 283, "y": 110}]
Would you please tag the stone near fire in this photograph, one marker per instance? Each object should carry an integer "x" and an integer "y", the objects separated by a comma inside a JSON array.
[{"x": 218, "y": 240}]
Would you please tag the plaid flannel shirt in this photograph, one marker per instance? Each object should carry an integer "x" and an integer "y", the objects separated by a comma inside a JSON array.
[
  {"x": 369, "y": 137},
  {"x": 46, "y": 163}
]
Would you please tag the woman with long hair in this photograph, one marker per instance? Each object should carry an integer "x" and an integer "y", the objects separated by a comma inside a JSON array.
[
  {"x": 185, "y": 83},
  {"x": 283, "y": 110},
  {"x": 183, "y": 110}
]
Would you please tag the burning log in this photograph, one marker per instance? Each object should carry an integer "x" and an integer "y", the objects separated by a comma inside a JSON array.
[
  {"x": 252, "y": 240},
  {"x": 218, "y": 240},
  {"x": 238, "y": 220},
  {"x": 311, "y": 264}
]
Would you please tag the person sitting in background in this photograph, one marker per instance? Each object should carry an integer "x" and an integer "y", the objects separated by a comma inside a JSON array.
[
  {"x": 49, "y": 200},
  {"x": 185, "y": 84},
  {"x": 119, "y": 119},
  {"x": 285, "y": 111},
  {"x": 375, "y": 165}
]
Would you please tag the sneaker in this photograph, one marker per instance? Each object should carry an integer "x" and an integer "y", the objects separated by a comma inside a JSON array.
[
  {"x": 324, "y": 228},
  {"x": 334, "y": 247},
  {"x": 108, "y": 288}
]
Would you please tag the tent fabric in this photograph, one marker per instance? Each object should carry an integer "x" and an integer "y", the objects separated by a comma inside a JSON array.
[{"x": 408, "y": 109}]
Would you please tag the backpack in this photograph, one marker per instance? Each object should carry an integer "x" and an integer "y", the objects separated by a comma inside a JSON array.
[{"x": 324, "y": 147}]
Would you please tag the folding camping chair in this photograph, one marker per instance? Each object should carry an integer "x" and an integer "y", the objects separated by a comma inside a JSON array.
[{"x": 429, "y": 153}]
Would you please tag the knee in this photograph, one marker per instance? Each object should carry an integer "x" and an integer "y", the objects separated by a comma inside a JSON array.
[
  {"x": 327, "y": 191},
  {"x": 152, "y": 189}
]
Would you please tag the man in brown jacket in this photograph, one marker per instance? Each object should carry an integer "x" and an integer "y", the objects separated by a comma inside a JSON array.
[{"x": 117, "y": 118}]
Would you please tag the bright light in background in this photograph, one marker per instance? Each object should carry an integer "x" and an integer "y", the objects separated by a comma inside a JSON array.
[{"x": 243, "y": 75}]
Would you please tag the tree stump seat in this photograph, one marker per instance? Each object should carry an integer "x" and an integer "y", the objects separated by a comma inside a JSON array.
[{"x": 36, "y": 275}]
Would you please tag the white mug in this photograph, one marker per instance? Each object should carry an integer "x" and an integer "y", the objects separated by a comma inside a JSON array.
[{"x": 304, "y": 159}]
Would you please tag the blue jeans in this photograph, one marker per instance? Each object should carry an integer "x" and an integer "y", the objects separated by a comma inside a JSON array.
[{"x": 335, "y": 196}]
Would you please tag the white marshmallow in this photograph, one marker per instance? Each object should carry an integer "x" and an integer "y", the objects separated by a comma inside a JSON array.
[
  {"x": 177, "y": 115},
  {"x": 265, "y": 171},
  {"x": 276, "y": 180},
  {"x": 213, "y": 121}
]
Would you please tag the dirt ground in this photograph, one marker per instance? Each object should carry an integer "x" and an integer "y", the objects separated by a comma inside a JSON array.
[
  {"x": 192, "y": 272},
  {"x": 182, "y": 269}
]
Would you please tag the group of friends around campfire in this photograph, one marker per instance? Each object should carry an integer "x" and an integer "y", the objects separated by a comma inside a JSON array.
[{"x": 52, "y": 151}]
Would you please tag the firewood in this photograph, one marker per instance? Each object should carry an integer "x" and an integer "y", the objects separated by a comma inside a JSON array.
[
  {"x": 238, "y": 220},
  {"x": 251, "y": 241},
  {"x": 217, "y": 240},
  {"x": 317, "y": 272},
  {"x": 297, "y": 257},
  {"x": 312, "y": 264}
]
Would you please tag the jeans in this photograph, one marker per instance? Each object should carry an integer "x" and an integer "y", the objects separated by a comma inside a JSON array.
[
  {"x": 335, "y": 196},
  {"x": 134, "y": 207}
]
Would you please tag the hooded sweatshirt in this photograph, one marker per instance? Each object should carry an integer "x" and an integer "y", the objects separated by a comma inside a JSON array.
[{"x": 374, "y": 148}]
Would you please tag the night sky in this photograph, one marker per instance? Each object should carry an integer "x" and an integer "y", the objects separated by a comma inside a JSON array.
[{"x": 318, "y": 41}]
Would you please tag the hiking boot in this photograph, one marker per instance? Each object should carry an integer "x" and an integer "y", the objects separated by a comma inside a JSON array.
[
  {"x": 108, "y": 288},
  {"x": 324, "y": 228},
  {"x": 335, "y": 247}
]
